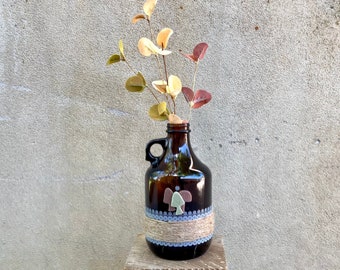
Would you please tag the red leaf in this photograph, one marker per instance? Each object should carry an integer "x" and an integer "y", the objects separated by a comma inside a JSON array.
[
  {"x": 201, "y": 97},
  {"x": 198, "y": 52},
  {"x": 188, "y": 94},
  {"x": 190, "y": 56}
]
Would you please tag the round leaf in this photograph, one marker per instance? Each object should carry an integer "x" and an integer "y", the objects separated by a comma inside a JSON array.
[
  {"x": 162, "y": 109},
  {"x": 115, "y": 58},
  {"x": 149, "y": 7},
  {"x": 201, "y": 97},
  {"x": 163, "y": 37},
  {"x": 175, "y": 86},
  {"x": 146, "y": 47},
  {"x": 198, "y": 52},
  {"x": 136, "y": 83},
  {"x": 188, "y": 94},
  {"x": 157, "y": 112}
]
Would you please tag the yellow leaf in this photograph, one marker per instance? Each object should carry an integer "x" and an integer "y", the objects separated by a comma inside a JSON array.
[
  {"x": 163, "y": 37},
  {"x": 121, "y": 49},
  {"x": 137, "y": 18},
  {"x": 154, "y": 112},
  {"x": 146, "y": 47},
  {"x": 160, "y": 86},
  {"x": 162, "y": 110},
  {"x": 149, "y": 7},
  {"x": 175, "y": 86}
]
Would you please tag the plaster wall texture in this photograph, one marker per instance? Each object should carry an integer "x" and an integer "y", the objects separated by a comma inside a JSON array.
[{"x": 72, "y": 138}]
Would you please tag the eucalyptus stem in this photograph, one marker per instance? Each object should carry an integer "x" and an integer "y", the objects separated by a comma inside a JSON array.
[
  {"x": 153, "y": 94},
  {"x": 150, "y": 28},
  {"x": 190, "y": 113},
  {"x": 193, "y": 87},
  {"x": 195, "y": 74},
  {"x": 165, "y": 70},
  {"x": 167, "y": 83},
  {"x": 129, "y": 66},
  {"x": 159, "y": 66},
  {"x": 173, "y": 101},
  {"x": 152, "y": 38}
]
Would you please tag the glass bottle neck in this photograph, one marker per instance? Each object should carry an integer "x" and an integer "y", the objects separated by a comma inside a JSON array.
[{"x": 178, "y": 136}]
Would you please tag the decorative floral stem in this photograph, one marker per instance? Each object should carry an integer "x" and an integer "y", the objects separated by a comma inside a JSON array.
[
  {"x": 150, "y": 28},
  {"x": 193, "y": 88},
  {"x": 153, "y": 94},
  {"x": 169, "y": 85},
  {"x": 165, "y": 71},
  {"x": 130, "y": 67},
  {"x": 173, "y": 101},
  {"x": 195, "y": 74},
  {"x": 159, "y": 66},
  {"x": 156, "y": 55}
]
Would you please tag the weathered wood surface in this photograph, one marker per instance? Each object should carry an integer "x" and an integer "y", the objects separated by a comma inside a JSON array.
[{"x": 141, "y": 257}]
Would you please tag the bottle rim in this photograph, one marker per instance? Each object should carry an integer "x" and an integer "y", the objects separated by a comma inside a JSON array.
[{"x": 178, "y": 128}]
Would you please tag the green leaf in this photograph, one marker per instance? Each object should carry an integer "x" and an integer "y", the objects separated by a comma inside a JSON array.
[
  {"x": 159, "y": 112},
  {"x": 136, "y": 83},
  {"x": 115, "y": 58}
]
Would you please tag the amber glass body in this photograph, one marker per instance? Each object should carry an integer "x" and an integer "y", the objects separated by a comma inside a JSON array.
[{"x": 177, "y": 168}]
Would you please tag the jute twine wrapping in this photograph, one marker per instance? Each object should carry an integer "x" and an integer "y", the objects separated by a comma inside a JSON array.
[{"x": 179, "y": 231}]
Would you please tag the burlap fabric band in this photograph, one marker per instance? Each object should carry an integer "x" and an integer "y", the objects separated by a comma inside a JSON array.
[{"x": 179, "y": 231}]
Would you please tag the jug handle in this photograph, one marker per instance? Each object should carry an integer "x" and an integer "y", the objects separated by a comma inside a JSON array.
[{"x": 149, "y": 156}]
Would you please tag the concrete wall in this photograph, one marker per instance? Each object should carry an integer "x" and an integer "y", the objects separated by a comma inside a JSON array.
[{"x": 72, "y": 138}]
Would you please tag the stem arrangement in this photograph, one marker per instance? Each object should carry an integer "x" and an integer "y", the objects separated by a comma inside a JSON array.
[{"x": 170, "y": 86}]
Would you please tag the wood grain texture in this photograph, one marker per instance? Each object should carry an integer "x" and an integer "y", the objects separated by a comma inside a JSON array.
[{"x": 141, "y": 257}]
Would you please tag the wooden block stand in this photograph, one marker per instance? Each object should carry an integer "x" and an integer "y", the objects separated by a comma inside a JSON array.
[{"x": 141, "y": 258}]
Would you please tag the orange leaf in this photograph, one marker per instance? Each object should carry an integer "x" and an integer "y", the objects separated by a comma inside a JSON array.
[
  {"x": 138, "y": 17},
  {"x": 163, "y": 37}
]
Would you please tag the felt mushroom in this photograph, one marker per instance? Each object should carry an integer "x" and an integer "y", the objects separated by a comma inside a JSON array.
[{"x": 177, "y": 200}]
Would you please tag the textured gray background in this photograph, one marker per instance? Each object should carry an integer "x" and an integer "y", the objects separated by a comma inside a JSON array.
[{"x": 72, "y": 138}]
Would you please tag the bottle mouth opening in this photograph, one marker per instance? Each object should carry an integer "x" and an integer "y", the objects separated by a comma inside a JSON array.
[{"x": 178, "y": 128}]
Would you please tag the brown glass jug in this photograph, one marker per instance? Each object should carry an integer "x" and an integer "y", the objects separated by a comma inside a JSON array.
[{"x": 179, "y": 216}]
